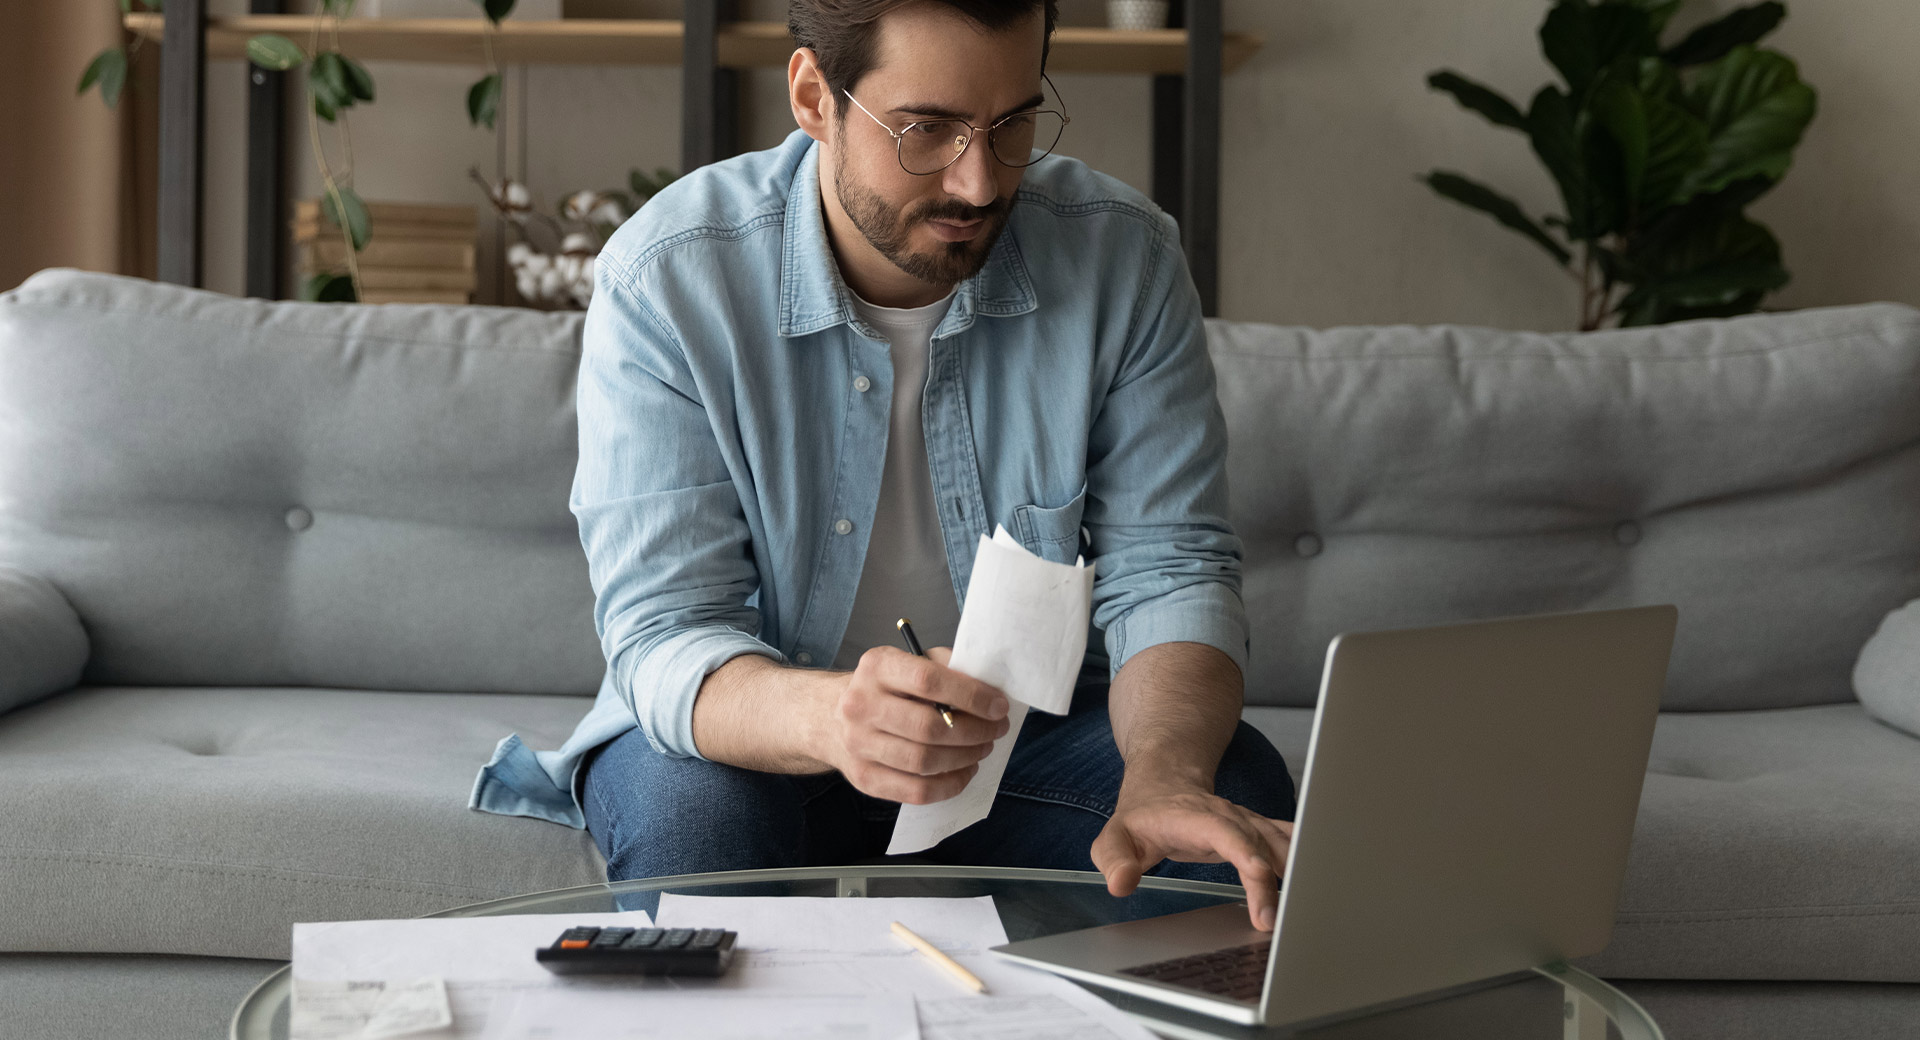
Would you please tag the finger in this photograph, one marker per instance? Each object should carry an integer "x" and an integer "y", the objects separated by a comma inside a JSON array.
[
  {"x": 940, "y": 655},
  {"x": 1278, "y": 835},
  {"x": 1116, "y": 855},
  {"x": 909, "y": 756},
  {"x": 882, "y": 781},
  {"x": 1215, "y": 837},
  {"x": 919, "y": 721},
  {"x": 929, "y": 680}
]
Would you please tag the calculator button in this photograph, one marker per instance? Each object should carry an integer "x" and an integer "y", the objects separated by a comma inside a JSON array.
[
  {"x": 643, "y": 938},
  {"x": 610, "y": 938},
  {"x": 678, "y": 937},
  {"x": 706, "y": 938}
]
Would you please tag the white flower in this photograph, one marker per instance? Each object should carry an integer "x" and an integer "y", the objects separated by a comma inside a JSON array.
[
  {"x": 580, "y": 243},
  {"x": 609, "y": 211},
  {"x": 517, "y": 254}
]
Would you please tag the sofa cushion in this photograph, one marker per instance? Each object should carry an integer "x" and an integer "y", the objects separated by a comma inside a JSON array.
[
  {"x": 241, "y": 493},
  {"x": 1759, "y": 473},
  {"x": 1887, "y": 676},
  {"x": 1770, "y": 845},
  {"x": 208, "y": 821},
  {"x": 43, "y": 646}
]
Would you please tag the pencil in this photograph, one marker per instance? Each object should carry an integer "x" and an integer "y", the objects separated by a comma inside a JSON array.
[{"x": 967, "y": 978}]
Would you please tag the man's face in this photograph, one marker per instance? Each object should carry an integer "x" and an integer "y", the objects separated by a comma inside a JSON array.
[{"x": 932, "y": 63}]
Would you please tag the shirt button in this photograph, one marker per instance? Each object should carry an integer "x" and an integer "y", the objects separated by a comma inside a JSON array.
[
  {"x": 862, "y": 384},
  {"x": 843, "y": 527},
  {"x": 803, "y": 658}
]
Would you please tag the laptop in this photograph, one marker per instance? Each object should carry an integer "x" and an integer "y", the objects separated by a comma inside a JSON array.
[{"x": 1465, "y": 812}]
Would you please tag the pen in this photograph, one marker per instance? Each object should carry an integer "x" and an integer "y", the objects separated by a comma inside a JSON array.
[
  {"x": 913, "y": 645},
  {"x": 967, "y": 978}
]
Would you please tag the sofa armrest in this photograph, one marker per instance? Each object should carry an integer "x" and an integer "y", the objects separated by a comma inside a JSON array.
[
  {"x": 43, "y": 646},
  {"x": 1886, "y": 678}
]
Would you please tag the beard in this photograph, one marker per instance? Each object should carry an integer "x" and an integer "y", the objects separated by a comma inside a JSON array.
[{"x": 888, "y": 229}]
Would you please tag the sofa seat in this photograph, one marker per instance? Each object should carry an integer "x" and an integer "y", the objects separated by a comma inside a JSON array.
[
  {"x": 208, "y": 820},
  {"x": 1776, "y": 844}
]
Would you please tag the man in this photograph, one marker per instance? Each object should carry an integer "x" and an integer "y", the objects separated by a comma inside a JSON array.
[{"x": 812, "y": 378}]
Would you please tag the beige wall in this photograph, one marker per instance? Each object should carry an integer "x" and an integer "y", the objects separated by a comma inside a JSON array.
[{"x": 1326, "y": 128}]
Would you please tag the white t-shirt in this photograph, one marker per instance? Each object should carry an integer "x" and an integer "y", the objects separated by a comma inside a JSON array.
[{"x": 905, "y": 574}]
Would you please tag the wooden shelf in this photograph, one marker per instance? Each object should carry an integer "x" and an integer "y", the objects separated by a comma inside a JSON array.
[{"x": 584, "y": 41}]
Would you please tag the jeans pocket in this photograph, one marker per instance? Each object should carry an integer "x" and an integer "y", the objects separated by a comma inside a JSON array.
[{"x": 1052, "y": 533}]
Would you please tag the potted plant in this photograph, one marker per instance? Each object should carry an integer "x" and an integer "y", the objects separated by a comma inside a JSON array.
[{"x": 1657, "y": 150}]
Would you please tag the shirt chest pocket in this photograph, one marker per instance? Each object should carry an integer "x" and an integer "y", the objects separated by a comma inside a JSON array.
[{"x": 1051, "y": 533}]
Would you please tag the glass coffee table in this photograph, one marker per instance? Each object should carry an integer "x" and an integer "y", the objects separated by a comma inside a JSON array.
[{"x": 1555, "y": 1002}]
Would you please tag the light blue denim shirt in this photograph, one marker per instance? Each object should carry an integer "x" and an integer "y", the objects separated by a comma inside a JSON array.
[{"x": 733, "y": 415}]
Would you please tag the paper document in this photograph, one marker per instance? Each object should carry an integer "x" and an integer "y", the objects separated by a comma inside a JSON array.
[
  {"x": 794, "y": 923},
  {"x": 328, "y": 1010},
  {"x": 1024, "y": 630},
  {"x": 487, "y": 963},
  {"x": 827, "y": 945},
  {"x": 465, "y": 948},
  {"x": 643, "y": 1015}
]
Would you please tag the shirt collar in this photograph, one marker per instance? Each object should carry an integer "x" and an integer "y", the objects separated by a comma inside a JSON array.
[{"x": 813, "y": 296}]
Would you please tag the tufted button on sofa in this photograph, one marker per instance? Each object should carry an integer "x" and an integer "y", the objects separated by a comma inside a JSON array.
[{"x": 274, "y": 579}]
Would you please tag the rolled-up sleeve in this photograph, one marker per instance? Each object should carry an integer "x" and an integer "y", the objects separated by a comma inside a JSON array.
[
  {"x": 1169, "y": 562},
  {"x": 668, "y": 547}
]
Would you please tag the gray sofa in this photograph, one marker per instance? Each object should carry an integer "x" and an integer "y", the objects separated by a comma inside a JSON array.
[{"x": 274, "y": 578}]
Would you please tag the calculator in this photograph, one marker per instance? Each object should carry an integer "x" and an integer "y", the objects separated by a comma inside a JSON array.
[{"x": 638, "y": 951}]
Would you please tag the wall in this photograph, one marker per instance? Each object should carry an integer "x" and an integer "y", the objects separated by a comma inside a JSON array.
[{"x": 1326, "y": 128}]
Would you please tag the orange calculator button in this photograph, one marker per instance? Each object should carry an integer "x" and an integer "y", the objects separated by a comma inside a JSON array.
[{"x": 573, "y": 944}]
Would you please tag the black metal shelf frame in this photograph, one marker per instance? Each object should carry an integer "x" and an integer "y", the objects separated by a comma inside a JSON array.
[{"x": 1185, "y": 129}]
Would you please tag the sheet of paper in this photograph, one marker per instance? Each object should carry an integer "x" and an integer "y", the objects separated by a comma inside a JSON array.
[
  {"x": 1024, "y": 630},
  {"x": 462, "y": 948},
  {"x": 799, "y": 923},
  {"x": 330, "y": 1010},
  {"x": 552, "y": 1015}
]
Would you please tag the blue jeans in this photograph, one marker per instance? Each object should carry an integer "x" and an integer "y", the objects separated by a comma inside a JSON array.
[{"x": 653, "y": 815}]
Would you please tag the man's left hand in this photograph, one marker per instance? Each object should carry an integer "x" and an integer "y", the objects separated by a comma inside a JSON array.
[{"x": 1162, "y": 820}]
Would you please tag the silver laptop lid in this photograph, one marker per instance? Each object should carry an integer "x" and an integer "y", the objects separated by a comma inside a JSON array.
[{"x": 1492, "y": 772}]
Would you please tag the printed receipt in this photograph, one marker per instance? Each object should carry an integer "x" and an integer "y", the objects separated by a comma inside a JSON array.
[{"x": 1024, "y": 630}]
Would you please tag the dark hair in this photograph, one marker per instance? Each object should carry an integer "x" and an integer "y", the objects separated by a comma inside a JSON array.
[{"x": 842, "y": 32}]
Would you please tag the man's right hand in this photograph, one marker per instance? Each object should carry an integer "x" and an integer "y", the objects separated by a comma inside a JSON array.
[{"x": 885, "y": 735}]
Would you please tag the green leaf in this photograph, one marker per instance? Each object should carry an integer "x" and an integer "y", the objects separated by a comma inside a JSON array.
[
  {"x": 496, "y": 9},
  {"x": 356, "y": 221},
  {"x": 328, "y": 287},
  {"x": 483, "y": 101},
  {"x": 274, "y": 52},
  {"x": 126, "y": 6},
  {"x": 1659, "y": 12},
  {"x": 1716, "y": 38},
  {"x": 1474, "y": 195},
  {"x": 327, "y": 81},
  {"x": 1755, "y": 109},
  {"x": 359, "y": 81},
  {"x": 1581, "y": 39},
  {"x": 1660, "y": 144},
  {"x": 1705, "y": 259},
  {"x": 1551, "y": 133},
  {"x": 1497, "y": 109},
  {"x": 109, "y": 70}
]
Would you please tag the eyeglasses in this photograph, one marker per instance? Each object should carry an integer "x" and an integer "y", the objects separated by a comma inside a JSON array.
[{"x": 928, "y": 146}]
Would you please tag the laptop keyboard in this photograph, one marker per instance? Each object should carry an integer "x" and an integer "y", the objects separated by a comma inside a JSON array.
[{"x": 1236, "y": 973}]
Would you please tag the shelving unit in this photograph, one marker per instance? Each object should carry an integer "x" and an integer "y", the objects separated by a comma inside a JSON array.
[{"x": 1186, "y": 64}]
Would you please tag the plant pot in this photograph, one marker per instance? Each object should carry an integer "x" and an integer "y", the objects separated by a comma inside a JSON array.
[{"x": 1137, "y": 14}]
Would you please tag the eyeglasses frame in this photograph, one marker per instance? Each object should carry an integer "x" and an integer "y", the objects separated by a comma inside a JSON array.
[{"x": 899, "y": 136}]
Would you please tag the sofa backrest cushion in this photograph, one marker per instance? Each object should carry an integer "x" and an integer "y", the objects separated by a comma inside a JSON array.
[
  {"x": 232, "y": 492},
  {"x": 1761, "y": 473}
]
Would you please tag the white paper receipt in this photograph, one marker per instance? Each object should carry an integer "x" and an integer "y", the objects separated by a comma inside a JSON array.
[
  {"x": 339, "y": 1010},
  {"x": 1024, "y": 630}
]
